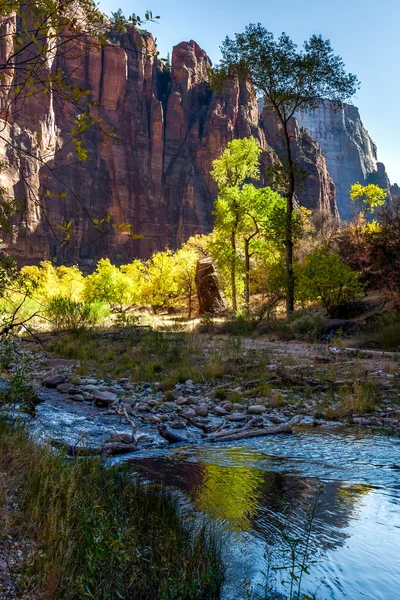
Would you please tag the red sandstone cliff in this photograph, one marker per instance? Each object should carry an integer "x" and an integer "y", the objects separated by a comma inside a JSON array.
[{"x": 169, "y": 127}]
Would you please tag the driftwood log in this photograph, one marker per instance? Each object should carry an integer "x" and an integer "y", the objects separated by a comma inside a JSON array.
[{"x": 245, "y": 432}]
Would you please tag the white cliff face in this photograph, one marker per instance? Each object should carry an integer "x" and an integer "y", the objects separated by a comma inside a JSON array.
[{"x": 349, "y": 151}]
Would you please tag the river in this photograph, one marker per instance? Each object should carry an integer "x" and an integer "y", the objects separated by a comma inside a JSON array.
[{"x": 258, "y": 493}]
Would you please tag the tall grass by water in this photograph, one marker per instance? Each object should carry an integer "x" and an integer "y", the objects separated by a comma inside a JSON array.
[{"x": 98, "y": 534}]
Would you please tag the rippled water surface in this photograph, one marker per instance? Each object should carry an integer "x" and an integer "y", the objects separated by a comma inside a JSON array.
[{"x": 258, "y": 492}]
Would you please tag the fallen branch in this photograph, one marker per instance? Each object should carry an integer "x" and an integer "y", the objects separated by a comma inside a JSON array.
[
  {"x": 256, "y": 432},
  {"x": 373, "y": 352}
]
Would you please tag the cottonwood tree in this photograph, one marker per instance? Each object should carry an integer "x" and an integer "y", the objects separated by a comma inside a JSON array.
[
  {"x": 368, "y": 197},
  {"x": 247, "y": 219},
  {"x": 238, "y": 164},
  {"x": 289, "y": 79}
]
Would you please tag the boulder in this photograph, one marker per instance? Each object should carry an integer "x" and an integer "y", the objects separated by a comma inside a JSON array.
[
  {"x": 52, "y": 381},
  {"x": 103, "y": 398},
  {"x": 201, "y": 411}
]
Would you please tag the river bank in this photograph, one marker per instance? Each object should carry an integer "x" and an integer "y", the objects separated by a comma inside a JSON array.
[{"x": 74, "y": 529}]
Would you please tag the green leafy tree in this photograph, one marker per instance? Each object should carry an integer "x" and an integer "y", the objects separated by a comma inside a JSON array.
[
  {"x": 368, "y": 197},
  {"x": 108, "y": 284},
  {"x": 289, "y": 79},
  {"x": 160, "y": 286},
  {"x": 323, "y": 277},
  {"x": 185, "y": 273},
  {"x": 135, "y": 271},
  {"x": 238, "y": 163}
]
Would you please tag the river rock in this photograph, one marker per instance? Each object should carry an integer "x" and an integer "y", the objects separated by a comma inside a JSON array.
[
  {"x": 256, "y": 409},
  {"x": 201, "y": 411},
  {"x": 52, "y": 381},
  {"x": 65, "y": 388},
  {"x": 77, "y": 398},
  {"x": 103, "y": 398},
  {"x": 181, "y": 400},
  {"x": 219, "y": 410},
  {"x": 178, "y": 425},
  {"x": 91, "y": 387},
  {"x": 190, "y": 413},
  {"x": 193, "y": 400},
  {"x": 237, "y": 417}
]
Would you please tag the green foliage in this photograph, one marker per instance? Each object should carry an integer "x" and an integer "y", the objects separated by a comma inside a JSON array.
[
  {"x": 368, "y": 197},
  {"x": 100, "y": 534},
  {"x": 385, "y": 333},
  {"x": 20, "y": 390},
  {"x": 248, "y": 221},
  {"x": 238, "y": 163},
  {"x": 66, "y": 314},
  {"x": 324, "y": 278},
  {"x": 108, "y": 284},
  {"x": 159, "y": 286},
  {"x": 288, "y": 80},
  {"x": 307, "y": 325}
]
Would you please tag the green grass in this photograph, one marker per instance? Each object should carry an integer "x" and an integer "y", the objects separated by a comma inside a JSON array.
[{"x": 100, "y": 535}]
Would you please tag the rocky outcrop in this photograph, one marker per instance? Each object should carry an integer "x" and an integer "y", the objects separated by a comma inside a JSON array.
[
  {"x": 208, "y": 290},
  {"x": 153, "y": 173},
  {"x": 317, "y": 191},
  {"x": 395, "y": 192},
  {"x": 351, "y": 155}
]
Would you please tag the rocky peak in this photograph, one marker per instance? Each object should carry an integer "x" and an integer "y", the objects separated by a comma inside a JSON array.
[
  {"x": 170, "y": 126},
  {"x": 351, "y": 155}
]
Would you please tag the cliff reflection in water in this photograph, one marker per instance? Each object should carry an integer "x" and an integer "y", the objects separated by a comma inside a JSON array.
[{"x": 241, "y": 496}]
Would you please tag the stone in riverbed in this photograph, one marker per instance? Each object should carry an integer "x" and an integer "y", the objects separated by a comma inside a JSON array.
[
  {"x": 256, "y": 409},
  {"x": 237, "y": 417},
  {"x": 192, "y": 400},
  {"x": 90, "y": 387},
  {"x": 181, "y": 400},
  {"x": 77, "y": 398},
  {"x": 65, "y": 388},
  {"x": 103, "y": 398},
  {"x": 52, "y": 381},
  {"x": 219, "y": 410},
  {"x": 190, "y": 413},
  {"x": 201, "y": 411}
]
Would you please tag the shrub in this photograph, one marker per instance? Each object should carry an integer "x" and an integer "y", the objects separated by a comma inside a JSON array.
[
  {"x": 66, "y": 314},
  {"x": 323, "y": 277},
  {"x": 20, "y": 391},
  {"x": 385, "y": 334},
  {"x": 307, "y": 325}
]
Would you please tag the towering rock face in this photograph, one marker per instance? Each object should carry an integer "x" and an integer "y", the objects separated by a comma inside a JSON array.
[
  {"x": 317, "y": 190},
  {"x": 351, "y": 155},
  {"x": 154, "y": 174}
]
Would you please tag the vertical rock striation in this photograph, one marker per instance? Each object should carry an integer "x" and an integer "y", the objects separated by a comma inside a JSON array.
[
  {"x": 351, "y": 155},
  {"x": 155, "y": 175}
]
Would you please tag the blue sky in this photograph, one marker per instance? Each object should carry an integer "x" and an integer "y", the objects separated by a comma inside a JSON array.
[{"x": 365, "y": 33}]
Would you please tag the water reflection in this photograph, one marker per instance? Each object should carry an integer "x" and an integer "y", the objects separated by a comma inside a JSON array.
[
  {"x": 253, "y": 499},
  {"x": 257, "y": 507}
]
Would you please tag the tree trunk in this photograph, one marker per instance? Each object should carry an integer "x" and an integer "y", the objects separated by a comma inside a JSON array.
[
  {"x": 190, "y": 302},
  {"x": 247, "y": 270},
  {"x": 289, "y": 223},
  {"x": 233, "y": 271}
]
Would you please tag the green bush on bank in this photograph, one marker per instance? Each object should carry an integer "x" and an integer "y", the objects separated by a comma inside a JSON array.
[{"x": 101, "y": 535}]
